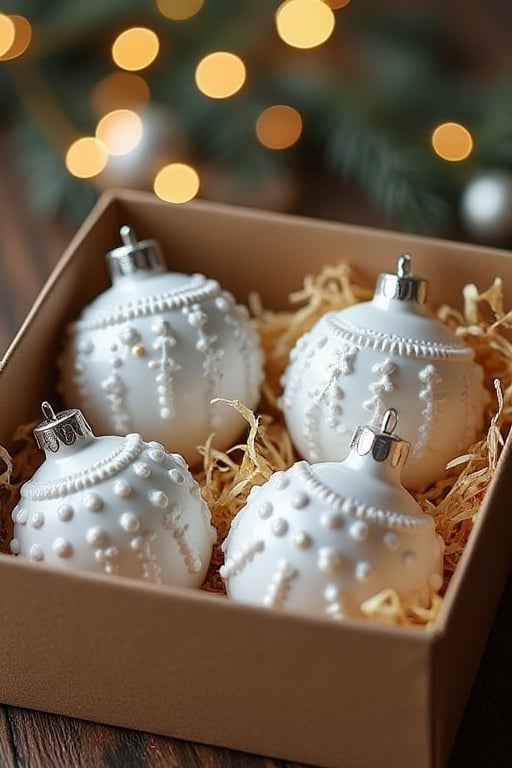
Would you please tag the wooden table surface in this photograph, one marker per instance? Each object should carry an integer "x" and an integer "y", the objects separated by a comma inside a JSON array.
[{"x": 29, "y": 246}]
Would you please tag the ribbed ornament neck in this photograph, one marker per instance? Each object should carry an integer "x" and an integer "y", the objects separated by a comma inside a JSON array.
[
  {"x": 402, "y": 285},
  {"x": 380, "y": 443},
  {"x": 134, "y": 256},
  {"x": 59, "y": 431}
]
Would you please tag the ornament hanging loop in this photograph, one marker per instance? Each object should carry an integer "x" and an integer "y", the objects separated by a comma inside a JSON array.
[
  {"x": 389, "y": 421},
  {"x": 380, "y": 443},
  {"x": 403, "y": 268},
  {"x": 61, "y": 430},
  {"x": 48, "y": 411},
  {"x": 128, "y": 235}
]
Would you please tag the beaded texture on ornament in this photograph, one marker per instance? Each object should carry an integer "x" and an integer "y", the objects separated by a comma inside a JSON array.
[{"x": 110, "y": 465}]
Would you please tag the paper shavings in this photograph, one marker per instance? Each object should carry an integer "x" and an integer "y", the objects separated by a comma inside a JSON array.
[
  {"x": 455, "y": 500},
  {"x": 227, "y": 476}
]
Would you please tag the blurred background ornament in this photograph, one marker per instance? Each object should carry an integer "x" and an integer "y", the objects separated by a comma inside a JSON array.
[
  {"x": 486, "y": 208},
  {"x": 153, "y": 137}
]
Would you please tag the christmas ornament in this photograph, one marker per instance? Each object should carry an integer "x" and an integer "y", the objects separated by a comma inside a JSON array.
[
  {"x": 151, "y": 352},
  {"x": 163, "y": 141},
  {"x": 486, "y": 207},
  {"x": 357, "y": 362},
  {"x": 322, "y": 538},
  {"x": 115, "y": 505}
]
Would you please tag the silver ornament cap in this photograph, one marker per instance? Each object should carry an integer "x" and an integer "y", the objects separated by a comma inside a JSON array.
[
  {"x": 380, "y": 443},
  {"x": 61, "y": 430},
  {"x": 134, "y": 256},
  {"x": 402, "y": 285}
]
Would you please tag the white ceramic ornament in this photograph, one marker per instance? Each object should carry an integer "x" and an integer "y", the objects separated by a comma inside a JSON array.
[
  {"x": 389, "y": 352},
  {"x": 150, "y": 353},
  {"x": 486, "y": 207},
  {"x": 322, "y": 538},
  {"x": 115, "y": 505}
]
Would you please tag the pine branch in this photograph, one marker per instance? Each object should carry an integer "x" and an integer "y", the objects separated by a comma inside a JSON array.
[
  {"x": 369, "y": 99},
  {"x": 401, "y": 182}
]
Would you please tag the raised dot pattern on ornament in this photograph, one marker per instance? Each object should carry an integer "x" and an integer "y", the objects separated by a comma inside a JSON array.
[
  {"x": 303, "y": 543},
  {"x": 128, "y": 511}
]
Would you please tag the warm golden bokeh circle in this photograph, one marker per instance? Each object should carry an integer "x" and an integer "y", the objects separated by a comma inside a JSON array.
[
  {"x": 337, "y": 4},
  {"x": 220, "y": 74},
  {"x": 179, "y": 10},
  {"x": 120, "y": 131},
  {"x": 135, "y": 48},
  {"x": 176, "y": 183},
  {"x": 304, "y": 23},
  {"x": 120, "y": 90},
  {"x": 452, "y": 142},
  {"x": 7, "y": 33},
  {"x": 86, "y": 157},
  {"x": 279, "y": 126},
  {"x": 22, "y": 37}
]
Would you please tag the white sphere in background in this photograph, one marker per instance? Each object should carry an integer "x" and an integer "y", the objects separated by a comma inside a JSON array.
[{"x": 486, "y": 207}]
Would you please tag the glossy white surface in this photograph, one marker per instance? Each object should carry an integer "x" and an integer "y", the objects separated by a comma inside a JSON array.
[
  {"x": 322, "y": 538},
  {"x": 116, "y": 505},
  {"x": 357, "y": 362},
  {"x": 150, "y": 353}
]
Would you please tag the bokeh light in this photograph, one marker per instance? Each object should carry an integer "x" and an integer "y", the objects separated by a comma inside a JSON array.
[
  {"x": 452, "y": 142},
  {"x": 179, "y": 10},
  {"x": 120, "y": 90},
  {"x": 135, "y": 48},
  {"x": 304, "y": 23},
  {"x": 279, "y": 126},
  {"x": 337, "y": 4},
  {"x": 7, "y": 33},
  {"x": 22, "y": 37},
  {"x": 86, "y": 157},
  {"x": 176, "y": 183},
  {"x": 220, "y": 74},
  {"x": 120, "y": 131}
]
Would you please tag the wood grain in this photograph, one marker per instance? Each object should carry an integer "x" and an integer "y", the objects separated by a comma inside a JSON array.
[{"x": 39, "y": 740}]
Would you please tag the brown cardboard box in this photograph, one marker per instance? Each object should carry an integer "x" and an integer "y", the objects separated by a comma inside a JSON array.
[{"x": 191, "y": 664}]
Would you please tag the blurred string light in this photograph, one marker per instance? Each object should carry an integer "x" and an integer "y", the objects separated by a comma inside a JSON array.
[
  {"x": 119, "y": 90},
  {"x": 120, "y": 131},
  {"x": 7, "y": 33},
  {"x": 86, "y": 157},
  {"x": 21, "y": 37},
  {"x": 220, "y": 74},
  {"x": 179, "y": 10},
  {"x": 452, "y": 142},
  {"x": 278, "y": 127},
  {"x": 135, "y": 48},
  {"x": 304, "y": 23},
  {"x": 176, "y": 183},
  {"x": 337, "y": 4}
]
